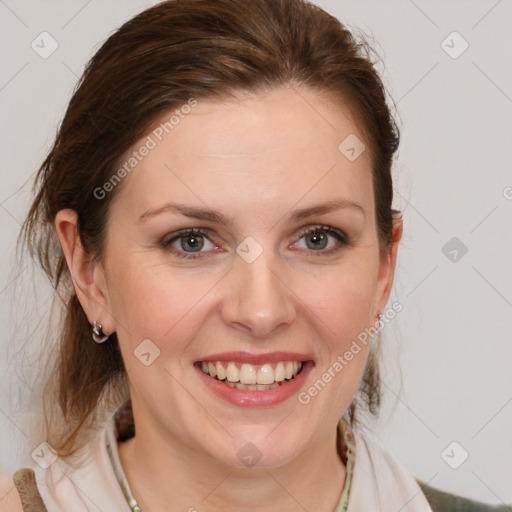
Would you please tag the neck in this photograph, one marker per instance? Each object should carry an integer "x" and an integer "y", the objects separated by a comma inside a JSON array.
[{"x": 164, "y": 474}]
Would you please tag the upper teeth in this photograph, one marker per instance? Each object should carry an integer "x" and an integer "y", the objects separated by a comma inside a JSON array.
[{"x": 250, "y": 374}]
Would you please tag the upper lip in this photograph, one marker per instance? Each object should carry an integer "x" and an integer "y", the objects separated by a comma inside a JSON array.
[{"x": 252, "y": 358}]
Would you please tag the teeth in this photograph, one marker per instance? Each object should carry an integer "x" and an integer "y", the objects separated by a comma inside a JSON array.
[
  {"x": 232, "y": 373},
  {"x": 288, "y": 370},
  {"x": 279, "y": 373},
  {"x": 254, "y": 387},
  {"x": 265, "y": 375},
  {"x": 221, "y": 373},
  {"x": 248, "y": 376}
]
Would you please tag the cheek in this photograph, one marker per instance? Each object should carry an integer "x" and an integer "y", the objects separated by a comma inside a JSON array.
[
  {"x": 150, "y": 301},
  {"x": 342, "y": 298},
  {"x": 340, "y": 304},
  {"x": 344, "y": 327}
]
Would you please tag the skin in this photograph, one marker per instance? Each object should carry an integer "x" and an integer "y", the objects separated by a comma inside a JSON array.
[{"x": 255, "y": 159}]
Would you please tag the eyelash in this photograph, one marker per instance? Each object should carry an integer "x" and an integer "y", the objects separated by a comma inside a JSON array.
[{"x": 339, "y": 235}]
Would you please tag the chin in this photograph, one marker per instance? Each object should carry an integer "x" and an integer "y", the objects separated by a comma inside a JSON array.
[{"x": 262, "y": 451}]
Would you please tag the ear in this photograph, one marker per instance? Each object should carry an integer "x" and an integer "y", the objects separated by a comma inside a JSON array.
[
  {"x": 387, "y": 266},
  {"x": 87, "y": 274}
]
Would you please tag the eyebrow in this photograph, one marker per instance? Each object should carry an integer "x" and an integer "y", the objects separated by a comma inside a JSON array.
[{"x": 219, "y": 218}]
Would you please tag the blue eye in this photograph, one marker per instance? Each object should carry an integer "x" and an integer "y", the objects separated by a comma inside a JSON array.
[
  {"x": 317, "y": 239},
  {"x": 188, "y": 243},
  {"x": 193, "y": 239}
]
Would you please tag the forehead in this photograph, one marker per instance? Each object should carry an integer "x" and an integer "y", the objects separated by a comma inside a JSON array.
[{"x": 252, "y": 153}]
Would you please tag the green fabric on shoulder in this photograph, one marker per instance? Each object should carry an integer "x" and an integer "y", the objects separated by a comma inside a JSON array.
[{"x": 441, "y": 501}]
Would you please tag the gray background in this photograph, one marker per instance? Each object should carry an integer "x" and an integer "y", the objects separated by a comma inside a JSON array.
[{"x": 448, "y": 353}]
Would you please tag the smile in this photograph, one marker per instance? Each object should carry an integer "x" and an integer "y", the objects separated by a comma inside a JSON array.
[
  {"x": 254, "y": 380},
  {"x": 252, "y": 377}
]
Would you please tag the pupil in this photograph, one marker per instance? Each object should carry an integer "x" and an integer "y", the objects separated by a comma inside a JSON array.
[
  {"x": 193, "y": 241},
  {"x": 318, "y": 237}
]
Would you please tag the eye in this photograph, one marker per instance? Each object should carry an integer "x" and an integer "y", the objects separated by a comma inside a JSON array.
[
  {"x": 316, "y": 239},
  {"x": 188, "y": 243}
]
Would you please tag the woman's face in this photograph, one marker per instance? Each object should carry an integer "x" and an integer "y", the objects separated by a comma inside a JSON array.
[{"x": 250, "y": 290}]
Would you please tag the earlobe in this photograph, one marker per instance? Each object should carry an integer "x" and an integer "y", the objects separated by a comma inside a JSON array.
[{"x": 86, "y": 276}]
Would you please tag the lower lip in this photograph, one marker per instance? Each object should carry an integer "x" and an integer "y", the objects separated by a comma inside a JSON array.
[{"x": 254, "y": 398}]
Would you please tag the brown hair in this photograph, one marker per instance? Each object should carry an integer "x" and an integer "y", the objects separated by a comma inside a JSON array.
[{"x": 156, "y": 62}]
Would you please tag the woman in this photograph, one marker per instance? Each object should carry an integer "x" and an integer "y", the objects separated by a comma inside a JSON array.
[{"x": 216, "y": 216}]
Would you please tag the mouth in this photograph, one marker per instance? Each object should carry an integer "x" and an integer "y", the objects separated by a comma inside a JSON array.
[{"x": 250, "y": 380}]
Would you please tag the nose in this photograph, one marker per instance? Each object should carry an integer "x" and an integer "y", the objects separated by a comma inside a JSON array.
[{"x": 259, "y": 300}]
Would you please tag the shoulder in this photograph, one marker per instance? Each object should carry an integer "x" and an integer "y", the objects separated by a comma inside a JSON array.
[
  {"x": 23, "y": 495},
  {"x": 441, "y": 501},
  {"x": 9, "y": 497},
  {"x": 382, "y": 470}
]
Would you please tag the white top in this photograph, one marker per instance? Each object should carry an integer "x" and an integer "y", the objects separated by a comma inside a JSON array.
[{"x": 375, "y": 481}]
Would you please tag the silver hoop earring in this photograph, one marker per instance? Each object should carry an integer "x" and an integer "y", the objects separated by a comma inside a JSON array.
[{"x": 97, "y": 335}]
